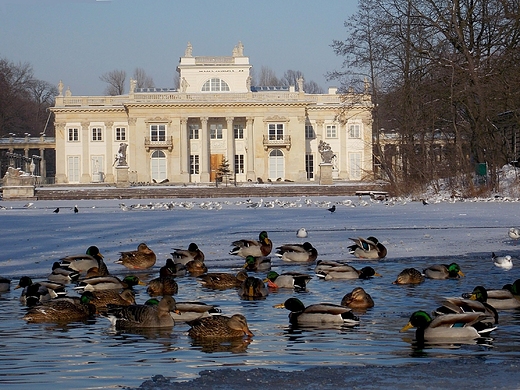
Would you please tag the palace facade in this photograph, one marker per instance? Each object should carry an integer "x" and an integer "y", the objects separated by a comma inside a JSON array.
[{"x": 183, "y": 135}]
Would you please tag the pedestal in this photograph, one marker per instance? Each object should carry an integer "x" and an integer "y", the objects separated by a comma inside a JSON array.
[
  {"x": 326, "y": 174},
  {"x": 122, "y": 176},
  {"x": 17, "y": 185}
]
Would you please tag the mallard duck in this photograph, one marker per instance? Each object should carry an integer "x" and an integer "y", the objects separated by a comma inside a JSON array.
[
  {"x": 82, "y": 263},
  {"x": 108, "y": 283},
  {"x": 461, "y": 305},
  {"x": 196, "y": 267},
  {"x": 505, "y": 262},
  {"x": 143, "y": 316},
  {"x": 220, "y": 327},
  {"x": 257, "y": 263},
  {"x": 295, "y": 280},
  {"x": 173, "y": 269},
  {"x": 358, "y": 298},
  {"x": 5, "y": 284},
  {"x": 184, "y": 256},
  {"x": 65, "y": 309},
  {"x": 443, "y": 271},
  {"x": 190, "y": 311},
  {"x": 165, "y": 284},
  {"x": 326, "y": 265},
  {"x": 63, "y": 275},
  {"x": 222, "y": 280},
  {"x": 369, "y": 248},
  {"x": 298, "y": 253},
  {"x": 103, "y": 298},
  {"x": 500, "y": 299},
  {"x": 36, "y": 292},
  {"x": 260, "y": 248},
  {"x": 142, "y": 258},
  {"x": 318, "y": 314},
  {"x": 346, "y": 272},
  {"x": 409, "y": 276},
  {"x": 253, "y": 288},
  {"x": 447, "y": 326}
]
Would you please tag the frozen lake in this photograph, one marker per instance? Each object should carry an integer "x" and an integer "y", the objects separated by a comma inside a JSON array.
[{"x": 92, "y": 356}]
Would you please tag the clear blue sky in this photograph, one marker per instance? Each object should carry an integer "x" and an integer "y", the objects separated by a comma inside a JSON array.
[{"x": 76, "y": 41}]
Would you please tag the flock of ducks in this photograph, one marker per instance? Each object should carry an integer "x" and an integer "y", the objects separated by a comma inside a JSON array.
[{"x": 100, "y": 293}]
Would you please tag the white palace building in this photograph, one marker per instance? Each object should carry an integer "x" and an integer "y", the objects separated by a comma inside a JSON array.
[{"x": 182, "y": 136}]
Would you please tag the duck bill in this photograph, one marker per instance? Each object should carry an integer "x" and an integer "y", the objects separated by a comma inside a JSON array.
[
  {"x": 461, "y": 274},
  {"x": 248, "y": 332},
  {"x": 406, "y": 327},
  {"x": 270, "y": 283},
  {"x": 279, "y": 306},
  {"x": 141, "y": 283},
  {"x": 378, "y": 274}
]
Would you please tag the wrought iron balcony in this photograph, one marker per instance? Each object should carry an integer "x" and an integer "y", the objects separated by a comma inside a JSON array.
[
  {"x": 166, "y": 143},
  {"x": 277, "y": 141}
]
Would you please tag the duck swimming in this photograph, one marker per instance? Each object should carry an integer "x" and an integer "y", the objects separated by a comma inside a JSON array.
[
  {"x": 358, "y": 298},
  {"x": 84, "y": 262},
  {"x": 409, "y": 276},
  {"x": 443, "y": 271},
  {"x": 143, "y": 316},
  {"x": 246, "y": 247},
  {"x": 298, "y": 253},
  {"x": 142, "y": 258},
  {"x": 220, "y": 327},
  {"x": 369, "y": 248},
  {"x": 454, "y": 327},
  {"x": 184, "y": 256},
  {"x": 318, "y": 314}
]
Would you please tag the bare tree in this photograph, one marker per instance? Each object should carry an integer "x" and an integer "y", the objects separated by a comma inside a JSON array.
[
  {"x": 291, "y": 77},
  {"x": 116, "y": 82},
  {"x": 312, "y": 87},
  {"x": 142, "y": 79},
  {"x": 267, "y": 77}
]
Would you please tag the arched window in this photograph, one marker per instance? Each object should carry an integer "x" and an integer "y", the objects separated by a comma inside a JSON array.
[
  {"x": 276, "y": 165},
  {"x": 158, "y": 165},
  {"x": 215, "y": 85}
]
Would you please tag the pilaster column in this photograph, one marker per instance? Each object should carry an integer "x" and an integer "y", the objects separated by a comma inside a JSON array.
[
  {"x": 85, "y": 153},
  {"x": 230, "y": 143},
  {"x": 204, "y": 151},
  {"x": 109, "y": 142},
  {"x": 184, "y": 153},
  {"x": 250, "y": 150},
  {"x": 61, "y": 164},
  {"x": 43, "y": 166}
]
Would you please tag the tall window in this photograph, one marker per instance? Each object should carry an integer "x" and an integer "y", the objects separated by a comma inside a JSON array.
[
  {"x": 309, "y": 165},
  {"x": 120, "y": 133},
  {"x": 158, "y": 165},
  {"x": 239, "y": 163},
  {"x": 215, "y": 131},
  {"x": 194, "y": 131},
  {"x": 331, "y": 131},
  {"x": 215, "y": 85},
  {"x": 276, "y": 131},
  {"x": 238, "y": 131},
  {"x": 355, "y": 166},
  {"x": 276, "y": 164},
  {"x": 194, "y": 164},
  {"x": 73, "y": 169},
  {"x": 354, "y": 130},
  {"x": 157, "y": 133},
  {"x": 96, "y": 134},
  {"x": 309, "y": 132},
  {"x": 73, "y": 134}
]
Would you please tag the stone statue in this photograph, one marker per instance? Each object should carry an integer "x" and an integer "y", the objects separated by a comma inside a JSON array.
[
  {"x": 133, "y": 84},
  {"x": 189, "y": 50},
  {"x": 326, "y": 152},
  {"x": 300, "y": 84},
  {"x": 238, "y": 50},
  {"x": 248, "y": 83},
  {"x": 60, "y": 88},
  {"x": 184, "y": 84},
  {"x": 68, "y": 92},
  {"x": 121, "y": 155}
]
